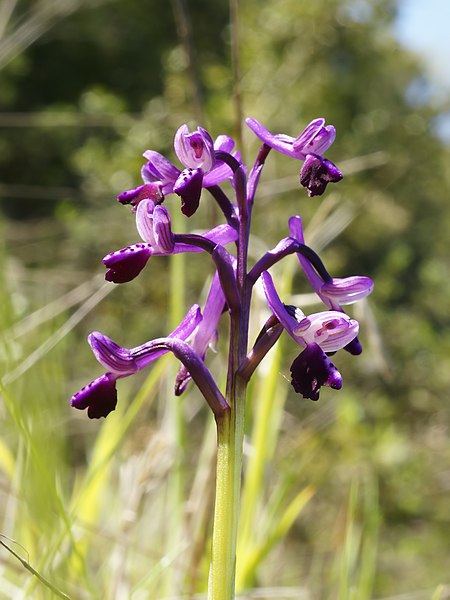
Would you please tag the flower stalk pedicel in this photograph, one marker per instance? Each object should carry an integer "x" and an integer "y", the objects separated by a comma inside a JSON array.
[{"x": 207, "y": 164}]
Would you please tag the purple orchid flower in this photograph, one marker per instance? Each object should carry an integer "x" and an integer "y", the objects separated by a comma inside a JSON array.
[
  {"x": 318, "y": 333},
  {"x": 100, "y": 396},
  {"x": 315, "y": 139},
  {"x": 154, "y": 225},
  {"x": 196, "y": 151},
  {"x": 336, "y": 291}
]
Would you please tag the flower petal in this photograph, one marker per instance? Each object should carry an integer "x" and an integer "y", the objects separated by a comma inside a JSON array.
[
  {"x": 195, "y": 150},
  {"x": 311, "y": 370},
  {"x": 331, "y": 330},
  {"x": 316, "y": 138},
  {"x": 348, "y": 289},
  {"x": 317, "y": 172},
  {"x": 126, "y": 264},
  {"x": 111, "y": 355},
  {"x": 158, "y": 168},
  {"x": 189, "y": 187},
  {"x": 99, "y": 396}
]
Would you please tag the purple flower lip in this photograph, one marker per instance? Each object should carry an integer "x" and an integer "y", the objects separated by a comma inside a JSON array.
[
  {"x": 311, "y": 370},
  {"x": 317, "y": 172},
  {"x": 99, "y": 396},
  {"x": 126, "y": 264}
]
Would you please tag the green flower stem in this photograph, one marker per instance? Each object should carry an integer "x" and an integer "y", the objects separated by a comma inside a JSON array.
[{"x": 230, "y": 435}]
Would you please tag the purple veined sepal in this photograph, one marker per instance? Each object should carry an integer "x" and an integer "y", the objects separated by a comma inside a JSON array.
[
  {"x": 317, "y": 172},
  {"x": 100, "y": 396},
  {"x": 195, "y": 150},
  {"x": 159, "y": 169},
  {"x": 313, "y": 369},
  {"x": 314, "y": 139}
]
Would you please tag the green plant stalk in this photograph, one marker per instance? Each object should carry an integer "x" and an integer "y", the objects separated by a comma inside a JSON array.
[
  {"x": 230, "y": 435},
  {"x": 230, "y": 425}
]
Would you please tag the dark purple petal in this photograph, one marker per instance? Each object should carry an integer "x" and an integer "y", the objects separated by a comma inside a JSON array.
[
  {"x": 126, "y": 264},
  {"x": 354, "y": 347},
  {"x": 189, "y": 187},
  {"x": 99, "y": 396},
  {"x": 317, "y": 172},
  {"x": 311, "y": 370},
  {"x": 148, "y": 191}
]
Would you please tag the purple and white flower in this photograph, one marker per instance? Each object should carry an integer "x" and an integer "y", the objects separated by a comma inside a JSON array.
[{"x": 315, "y": 139}]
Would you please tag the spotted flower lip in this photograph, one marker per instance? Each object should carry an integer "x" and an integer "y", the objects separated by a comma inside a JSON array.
[
  {"x": 126, "y": 264},
  {"x": 313, "y": 369},
  {"x": 316, "y": 138},
  {"x": 330, "y": 330},
  {"x": 99, "y": 396}
]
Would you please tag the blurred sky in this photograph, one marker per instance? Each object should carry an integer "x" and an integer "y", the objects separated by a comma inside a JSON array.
[{"x": 424, "y": 26}]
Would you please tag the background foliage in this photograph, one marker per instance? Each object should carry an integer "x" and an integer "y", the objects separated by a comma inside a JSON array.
[{"x": 347, "y": 498}]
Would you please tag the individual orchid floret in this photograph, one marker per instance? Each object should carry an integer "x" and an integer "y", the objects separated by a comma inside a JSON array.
[
  {"x": 317, "y": 333},
  {"x": 196, "y": 152},
  {"x": 100, "y": 396},
  {"x": 315, "y": 139}
]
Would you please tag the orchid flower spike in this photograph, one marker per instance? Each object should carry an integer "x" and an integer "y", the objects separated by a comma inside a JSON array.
[{"x": 315, "y": 139}]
